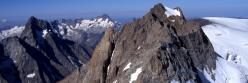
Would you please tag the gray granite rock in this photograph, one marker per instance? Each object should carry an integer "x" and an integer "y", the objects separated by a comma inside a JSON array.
[
  {"x": 40, "y": 55},
  {"x": 152, "y": 49}
]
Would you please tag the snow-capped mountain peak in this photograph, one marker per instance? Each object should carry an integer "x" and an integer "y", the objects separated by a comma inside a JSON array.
[
  {"x": 67, "y": 27},
  {"x": 86, "y": 30},
  {"x": 95, "y": 25},
  {"x": 97, "y": 22},
  {"x": 15, "y": 31},
  {"x": 172, "y": 12}
]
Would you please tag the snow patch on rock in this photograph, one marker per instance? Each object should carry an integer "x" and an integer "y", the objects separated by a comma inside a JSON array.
[
  {"x": 108, "y": 68},
  {"x": 14, "y": 61},
  {"x": 127, "y": 66},
  {"x": 31, "y": 75},
  {"x": 173, "y": 20},
  {"x": 135, "y": 75},
  {"x": 44, "y": 33},
  {"x": 139, "y": 47},
  {"x": 172, "y": 12},
  {"x": 115, "y": 81},
  {"x": 112, "y": 55}
]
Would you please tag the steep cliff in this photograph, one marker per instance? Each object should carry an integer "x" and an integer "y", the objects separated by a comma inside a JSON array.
[{"x": 161, "y": 47}]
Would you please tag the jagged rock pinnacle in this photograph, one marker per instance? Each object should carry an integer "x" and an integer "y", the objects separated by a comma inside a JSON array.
[
  {"x": 158, "y": 10},
  {"x": 158, "y": 49}
]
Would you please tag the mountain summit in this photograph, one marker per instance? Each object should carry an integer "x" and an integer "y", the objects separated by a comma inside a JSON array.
[
  {"x": 39, "y": 55},
  {"x": 160, "y": 47}
]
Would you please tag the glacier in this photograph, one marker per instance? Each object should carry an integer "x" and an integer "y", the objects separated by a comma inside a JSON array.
[
  {"x": 229, "y": 39},
  {"x": 15, "y": 31}
]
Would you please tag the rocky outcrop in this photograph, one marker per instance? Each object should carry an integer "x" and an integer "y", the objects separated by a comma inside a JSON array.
[
  {"x": 94, "y": 71},
  {"x": 99, "y": 63},
  {"x": 40, "y": 55},
  {"x": 153, "y": 49},
  {"x": 8, "y": 71}
]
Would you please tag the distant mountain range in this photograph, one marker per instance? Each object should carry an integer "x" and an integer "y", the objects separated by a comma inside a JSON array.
[
  {"x": 47, "y": 52},
  {"x": 79, "y": 30}
]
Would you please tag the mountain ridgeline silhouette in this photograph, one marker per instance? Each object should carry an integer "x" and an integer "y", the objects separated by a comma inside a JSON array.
[{"x": 160, "y": 47}]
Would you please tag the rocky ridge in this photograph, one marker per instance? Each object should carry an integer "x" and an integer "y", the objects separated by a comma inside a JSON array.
[
  {"x": 39, "y": 55},
  {"x": 158, "y": 48}
]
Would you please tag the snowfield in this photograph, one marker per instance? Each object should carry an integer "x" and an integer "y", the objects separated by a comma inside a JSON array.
[
  {"x": 172, "y": 12},
  {"x": 135, "y": 75},
  {"x": 15, "y": 31},
  {"x": 95, "y": 25},
  {"x": 229, "y": 37},
  {"x": 31, "y": 75}
]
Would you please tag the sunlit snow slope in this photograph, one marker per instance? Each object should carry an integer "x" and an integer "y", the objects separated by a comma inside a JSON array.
[
  {"x": 15, "y": 31},
  {"x": 229, "y": 37}
]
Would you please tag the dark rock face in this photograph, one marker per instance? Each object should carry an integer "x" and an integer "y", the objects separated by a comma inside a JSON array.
[
  {"x": 101, "y": 61},
  {"x": 40, "y": 55},
  {"x": 152, "y": 49},
  {"x": 202, "y": 22},
  {"x": 1, "y": 49},
  {"x": 98, "y": 63},
  {"x": 8, "y": 72}
]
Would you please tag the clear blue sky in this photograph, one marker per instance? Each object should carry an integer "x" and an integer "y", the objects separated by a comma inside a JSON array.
[{"x": 51, "y": 9}]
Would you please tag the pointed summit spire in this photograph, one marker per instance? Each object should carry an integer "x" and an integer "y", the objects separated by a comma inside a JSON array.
[
  {"x": 181, "y": 12},
  {"x": 32, "y": 20},
  {"x": 158, "y": 9}
]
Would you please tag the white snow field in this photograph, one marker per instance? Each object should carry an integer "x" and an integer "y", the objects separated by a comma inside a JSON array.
[
  {"x": 229, "y": 37},
  {"x": 96, "y": 25},
  {"x": 31, "y": 75},
  {"x": 135, "y": 75},
  {"x": 15, "y": 31},
  {"x": 172, "y": 12}
]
